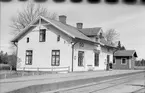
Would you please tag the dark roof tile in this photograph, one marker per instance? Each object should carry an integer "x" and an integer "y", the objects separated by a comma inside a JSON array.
[
  {"x": 125, "y": 53},
  {"x": 91, "y": 31}
]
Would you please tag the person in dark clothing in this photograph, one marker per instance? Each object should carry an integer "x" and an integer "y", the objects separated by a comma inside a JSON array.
[{"x": 110, "y": 65}]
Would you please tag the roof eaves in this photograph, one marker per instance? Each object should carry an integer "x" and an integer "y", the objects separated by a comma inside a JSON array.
[
  {"x": 58, "y": 27},
  {"x": 18, "y": 36}
]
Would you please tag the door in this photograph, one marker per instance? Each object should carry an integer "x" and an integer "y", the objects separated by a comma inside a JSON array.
[
  {"x": 108, "y": 60},
  {"x": 129, "y": 63}
]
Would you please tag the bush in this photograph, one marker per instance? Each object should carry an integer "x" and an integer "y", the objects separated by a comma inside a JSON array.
[
  {"x": 9, "y": 60},
  {"x": 5, "y": 67}
]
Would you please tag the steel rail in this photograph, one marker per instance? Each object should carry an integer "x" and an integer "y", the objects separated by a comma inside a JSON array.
[{"x": 127, "y": 79}]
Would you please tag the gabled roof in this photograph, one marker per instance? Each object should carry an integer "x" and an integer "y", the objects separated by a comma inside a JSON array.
[
  {"x": 91, "y": 31},
  {"x": 125, "y": 53},
  {"x": 94, "y": 32},
  {"x": 63, "y": 27}
]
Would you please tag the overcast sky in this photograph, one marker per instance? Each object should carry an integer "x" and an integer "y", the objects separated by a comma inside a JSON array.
[{"x": 127, "y": 20}]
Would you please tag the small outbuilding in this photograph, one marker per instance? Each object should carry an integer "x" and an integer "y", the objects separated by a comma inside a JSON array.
[{"x": 124, "y": 59}]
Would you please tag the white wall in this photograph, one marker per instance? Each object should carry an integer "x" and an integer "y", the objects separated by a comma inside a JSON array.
[
  {"x": 42, "y": 50},
  {"x": 88, "y": 58},
  {"x": 103, "y": 57}
]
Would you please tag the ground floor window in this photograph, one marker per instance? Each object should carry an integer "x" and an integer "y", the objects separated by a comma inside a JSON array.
[
  {"x": 123, "y": 61},
  {"x": 80, "y": 58},
  {"x": 55, "y": 61},
  {"x": 96, "y": 61},
  {"x": 28, "y": 59}
]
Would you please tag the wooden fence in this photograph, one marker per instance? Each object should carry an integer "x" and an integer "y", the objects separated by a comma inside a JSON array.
[
  {"x": 27, "y": 71},
  {"x": 51, "y": 69}
]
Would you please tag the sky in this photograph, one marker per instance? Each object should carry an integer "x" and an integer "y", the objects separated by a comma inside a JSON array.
[{"x": 127, "y": 20}]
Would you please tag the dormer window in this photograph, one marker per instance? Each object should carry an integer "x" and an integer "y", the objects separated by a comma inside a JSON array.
[
  {"x": 100, "y": 35},
  {"x": 42, "y": 35},
  {"x": 58, "y": 38},
  {"x": 96, "y": 38},
  {"x": 27, "y": 39}
]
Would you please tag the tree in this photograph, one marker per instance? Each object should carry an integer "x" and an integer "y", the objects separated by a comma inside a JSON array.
[
  {"x": 3, "y": 58},
  {"x": 12, "y": 60},
  {"x": 28, "y": 14},
  {"x": 120, "y": 47},
  {"x": 111, "y": 36}
]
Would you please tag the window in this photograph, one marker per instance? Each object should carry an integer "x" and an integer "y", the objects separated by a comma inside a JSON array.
[
  {"x": 28, "y": 57},
  {"x": 81, "y": 44},
  {"x": 27, "y": 39},
  {"x": 100, "y": 35},
  {"x": 123, "y": 61},
  {"x": 42, "y": 33},
  {"x": 96, "y": 38},
  {"x": 55, "y": 61},
  {"x": 96, "y": 57},
  {"x": 80, "y": 58},
  {"x": 58, "y": 38}
]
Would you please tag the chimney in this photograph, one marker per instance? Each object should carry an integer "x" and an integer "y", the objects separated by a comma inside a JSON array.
[
  {"x": 79, "y": 25},
  {"x": 62, "y": 19}
]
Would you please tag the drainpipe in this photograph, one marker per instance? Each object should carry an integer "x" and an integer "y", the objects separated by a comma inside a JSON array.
[
  {"x": 73, "y": 55},
  {"x": 114, "y": 53},
  {"x": 16, "y": 52}
]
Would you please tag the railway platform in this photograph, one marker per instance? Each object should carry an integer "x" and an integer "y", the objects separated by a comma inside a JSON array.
[{"x": 49, "y": 82}]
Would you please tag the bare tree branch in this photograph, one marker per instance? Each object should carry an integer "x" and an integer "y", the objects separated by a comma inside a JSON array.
[
  {"x": 111, "y": 35},
  {"x": 29, "y": 13}
]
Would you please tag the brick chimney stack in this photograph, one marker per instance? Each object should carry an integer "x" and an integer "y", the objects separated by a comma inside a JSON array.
[
  {"x": 62, "y": 19},
  {"x": 79, "y": 25}
]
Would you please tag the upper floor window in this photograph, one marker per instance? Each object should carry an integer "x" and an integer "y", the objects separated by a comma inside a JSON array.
[
  {"x": 80, "y": 58},
  {"x": 81, "y": 44},
  {"x": 96, "y": 57},
  {"x": 58, "y": 38},
  {"x": 27, "y": 39},
  {"x": 29, "y": 54},
  {"x": 42, "y": 34},
  {"x": 96, "y": 38},
  {"x": 101, "y": 35}
]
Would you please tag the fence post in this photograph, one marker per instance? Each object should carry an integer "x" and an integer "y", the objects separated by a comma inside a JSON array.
[
  {"x": 68, "y": 69},
  {"x": 10, "y": 68},
  {"x": 38, "y": 70},
  {"x": 23, "y": 71},
  {"x": 51, "y": 69},
  {"x": 5, "y": 75},
  {"x": 33, "y": 73}
]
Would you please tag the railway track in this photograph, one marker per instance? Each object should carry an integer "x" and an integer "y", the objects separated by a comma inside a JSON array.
[
  {"x": 99, "y": 86},
  {"x": 142, "y": 90}
]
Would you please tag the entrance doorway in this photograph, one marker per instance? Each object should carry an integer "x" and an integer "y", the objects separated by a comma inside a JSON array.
[{"x": 108, "y": 60}]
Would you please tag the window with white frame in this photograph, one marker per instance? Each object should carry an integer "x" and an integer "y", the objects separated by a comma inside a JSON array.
[
  {"x": 28, "y": 60},
  {"x": 123, "y": 61}
]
